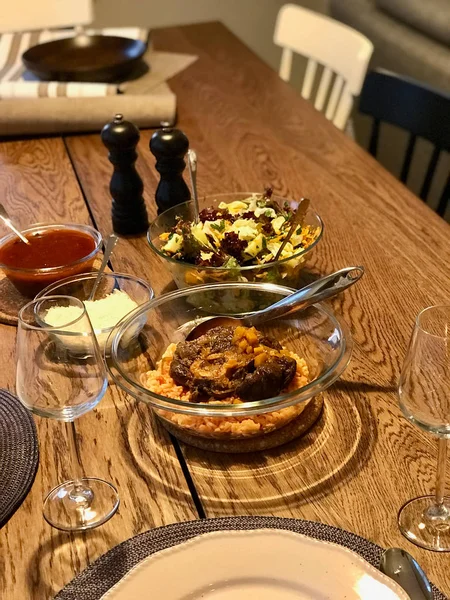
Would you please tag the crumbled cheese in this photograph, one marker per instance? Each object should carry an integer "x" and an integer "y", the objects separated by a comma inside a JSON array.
[
  {"x": 278, "y": 223},
  {"x": 252, "y": 203},
  {"x": 246, "y": 229},
  {"x": 200, "y": 235},
  {"x": 234, "y": 208},
  {"x": 59, "y": 316},
  {"x": 264, "y": 210},
  {"x": 212, "y": 231},
  {"x": 104, "y": 313},
  {"x": 255, "y": 246},
  {"x": 297, "y": 238},
  {"x": 174, "y": 243},
  {"x": 273, "y": 247}
]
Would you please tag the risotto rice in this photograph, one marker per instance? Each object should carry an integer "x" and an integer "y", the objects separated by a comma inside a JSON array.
[{"x": 160, "y": 382}]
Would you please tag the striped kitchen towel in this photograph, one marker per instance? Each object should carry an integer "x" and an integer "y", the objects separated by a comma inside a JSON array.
[{"x": 17, "y": 82}]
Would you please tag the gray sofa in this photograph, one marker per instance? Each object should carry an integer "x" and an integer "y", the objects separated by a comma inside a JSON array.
[{"x": 411, "y": 37}]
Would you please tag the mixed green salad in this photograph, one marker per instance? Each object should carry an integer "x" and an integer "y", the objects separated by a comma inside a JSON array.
[{"x": 240, "y": 233}]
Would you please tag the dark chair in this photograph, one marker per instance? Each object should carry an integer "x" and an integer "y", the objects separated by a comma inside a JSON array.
[{"x": 421, "y": 110}]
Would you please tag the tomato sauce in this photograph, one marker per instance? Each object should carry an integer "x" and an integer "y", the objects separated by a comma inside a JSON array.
[{"x": 49, "y": 248}]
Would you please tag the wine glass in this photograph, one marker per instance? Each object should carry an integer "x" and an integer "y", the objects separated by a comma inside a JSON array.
[
  {"x": 424, "y": 393},
  {"x": 61, "y": 375}
]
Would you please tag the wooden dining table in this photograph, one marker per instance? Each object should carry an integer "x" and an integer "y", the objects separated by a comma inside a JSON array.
[{"x": 362, "y": 460}]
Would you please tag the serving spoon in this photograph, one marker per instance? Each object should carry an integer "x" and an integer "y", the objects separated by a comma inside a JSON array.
[
  {"x": 109, "y": 247},
  {"x": 192, "y": 165},
  {"x": 400, "y": 566},
  {"x": 322, "y": 289}
]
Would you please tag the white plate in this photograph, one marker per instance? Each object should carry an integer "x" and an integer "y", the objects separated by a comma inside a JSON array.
[{"x": 261, "y": 564}]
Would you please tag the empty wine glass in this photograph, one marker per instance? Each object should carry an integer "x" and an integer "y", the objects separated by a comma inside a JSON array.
[
  {"x": 424, "y": 393},
  {"x": 61, "y": 375}
]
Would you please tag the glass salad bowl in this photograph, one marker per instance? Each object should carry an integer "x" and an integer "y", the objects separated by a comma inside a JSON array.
[
  {"x": 315, "y": 335},
  {"x": 284, "y": 271}
]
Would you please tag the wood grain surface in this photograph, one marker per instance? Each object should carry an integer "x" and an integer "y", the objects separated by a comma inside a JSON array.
[
  {"x": 362, "y": 460},
  {"x": 37, "y": 183}
]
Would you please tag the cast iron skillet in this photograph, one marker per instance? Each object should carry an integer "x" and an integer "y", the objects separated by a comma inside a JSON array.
[{"x": 85, "y": 58}]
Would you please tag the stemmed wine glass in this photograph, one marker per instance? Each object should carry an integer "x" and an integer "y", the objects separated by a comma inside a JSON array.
[
  {"x": 61, "y": 375},
  {"x": 424, "y": 393}
]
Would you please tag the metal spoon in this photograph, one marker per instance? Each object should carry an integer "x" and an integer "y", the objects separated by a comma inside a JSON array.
[
  {"x": 192, "y": 165},
  {"x": 400, "y": 566},
  {"x": 109, "y": 247},
  {"x": 323, "y": 288},
  {"x": 7, "y": 221}
]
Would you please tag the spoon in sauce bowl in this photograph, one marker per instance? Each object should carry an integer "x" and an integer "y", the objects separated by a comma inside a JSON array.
[
  {"x": 109, "y": 247},
  {"x": 7, "y": 221}
]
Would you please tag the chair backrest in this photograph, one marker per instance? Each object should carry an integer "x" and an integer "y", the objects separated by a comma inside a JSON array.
[
  {"x": 339, "y": 48},
  {"x": 26, "y": 15},
  {"x": 418, "y": 108}
]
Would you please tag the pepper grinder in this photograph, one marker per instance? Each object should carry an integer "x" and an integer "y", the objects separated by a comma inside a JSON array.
[
  {"x": 169, "y": 146},
  {"x": 129, "y": 215}
]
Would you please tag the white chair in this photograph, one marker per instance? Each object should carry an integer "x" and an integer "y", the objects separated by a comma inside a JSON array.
[
  {"x": 339, "y": 48},
  {"x": 25, "y": 15}
]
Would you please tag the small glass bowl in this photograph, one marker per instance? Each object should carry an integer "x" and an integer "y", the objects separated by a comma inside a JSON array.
[
  {"x": 284, "y": 272},
  {"x": 31, "y": 281},
  {"x": 80, "y": 286},
  {"x": 316, "y": 334}
]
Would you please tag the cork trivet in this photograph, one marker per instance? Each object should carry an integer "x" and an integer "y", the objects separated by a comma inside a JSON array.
[
  {"x": 289, "y": 432},
  {"x": 11, "y": 300}
]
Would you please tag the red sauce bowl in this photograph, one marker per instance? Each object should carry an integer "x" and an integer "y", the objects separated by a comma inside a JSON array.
[{"x": 55, "y": 252}]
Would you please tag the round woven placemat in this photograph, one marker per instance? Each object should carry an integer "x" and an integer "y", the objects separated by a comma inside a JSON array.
[
  {"x": 19, "y": 454},
  {"x": 105, "y": 572}
]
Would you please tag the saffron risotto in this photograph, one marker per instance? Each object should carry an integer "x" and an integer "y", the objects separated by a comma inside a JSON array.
[{"x": 160, "y": 382}]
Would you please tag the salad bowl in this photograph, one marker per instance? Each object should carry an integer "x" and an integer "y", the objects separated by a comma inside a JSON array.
[{"x": 237, "y": 239}]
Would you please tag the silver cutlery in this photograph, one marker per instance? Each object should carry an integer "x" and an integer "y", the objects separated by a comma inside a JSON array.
[
  {"x": 400, "y": 566},
  {"x": 321, "y": 289},
  {"x": 192, "y": 165}
]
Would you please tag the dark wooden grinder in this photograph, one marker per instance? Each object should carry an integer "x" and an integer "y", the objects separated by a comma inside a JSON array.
[
  {"x": 169, "y": 146},
  {"x": 129, "y": 215}
]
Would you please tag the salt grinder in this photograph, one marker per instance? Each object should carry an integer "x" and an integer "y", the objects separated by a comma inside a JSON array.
[
  {"x": 169, "y": 146},
  {"x": 129, "y": 215}
]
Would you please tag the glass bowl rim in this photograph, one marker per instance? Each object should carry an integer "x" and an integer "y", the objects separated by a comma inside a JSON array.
[
  {"x": 269, "y": 404},
  {"x": 55, "y": 329},
  {"x": 271, "y": 264},
  {"x": 95, "y": 234},
  {"x": 92, "y": 275}
]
